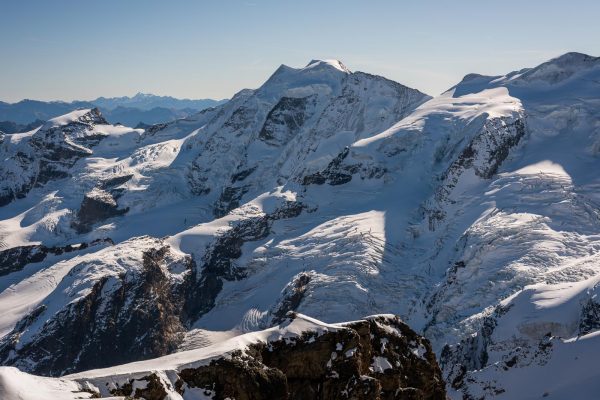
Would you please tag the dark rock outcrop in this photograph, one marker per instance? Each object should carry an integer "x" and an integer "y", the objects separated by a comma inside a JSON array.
[
  {"x": 286, "y": 119},
  {"x": 293, "y": 295},
  {"x": 16, "y": 258},
  {"x": 483, "y": 155},
  {"x": 229, "y": 200},
  {"x": 590, "y": 317},
  {"x": 97, "y": 206},
  {"x": 219, "y": 262},
  {"x": 134, "y": 316},
  {"x": 379, "y": 358},
  {"x": 142, "y": 313},
  {"x": 334, "y": 174}
]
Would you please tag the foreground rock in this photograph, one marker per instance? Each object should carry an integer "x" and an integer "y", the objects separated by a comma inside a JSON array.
[{"x": 379, "y": 357}]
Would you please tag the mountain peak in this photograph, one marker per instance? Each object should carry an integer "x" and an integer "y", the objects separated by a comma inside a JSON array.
[
  {"x": 316, "y": 75},
  {"x": 328, "y": 63},
  {"x": 554, "y": 71},
  {"x": 561, "y": 67},
  {"x": 91, "y": 116},
  {"x": 140, "y": 95},
  {"x": 574, "y": 57}
]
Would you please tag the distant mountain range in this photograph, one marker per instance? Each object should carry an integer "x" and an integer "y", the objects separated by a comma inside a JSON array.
[
  {"x": 142, "y": 108},
  {"x": 13, "y": 127},
  {"x": 146, "y": 102}
]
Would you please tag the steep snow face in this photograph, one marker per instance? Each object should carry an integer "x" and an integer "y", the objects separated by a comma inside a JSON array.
[
  {"x": 73, "y": 117},
  {"x": 41, "y": 178},
  {"x": 290, "y": 331},
  {"x": 346, "y": 256},
  {"x": 522, "y": 267},
  {"x": 280, "y": 128}
]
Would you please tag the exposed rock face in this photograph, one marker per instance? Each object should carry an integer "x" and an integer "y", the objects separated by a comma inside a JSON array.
[
  {"x": 135, "y": 315},
  {"x": 376, "y": 358},
  {"x": 438, "y": 213},
  {"x": 97, "y": 205},
  {"x": 230, "y": 199},
  {"x": 241, "y": 377},
  {"x": 286, "y": 119},
  {"x": 293, "y": 295},
  {"x": 334, "y": 174},
  {"x": 590, "y": 317},
  {"x": 219, "y": 261},
  {"x": 483, "y": 156},
  {"x": 461, "y": 363},
  {"x": 219, "y": 266},
  {"x": 16, "y": 258},
  {"x": 279, "y": 126},
  {"x": 471, "y": 354}
]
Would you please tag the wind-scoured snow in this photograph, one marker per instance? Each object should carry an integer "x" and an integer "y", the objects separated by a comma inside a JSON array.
[
  {"x": 17, "y": 385},
  {"x": 194, "y": 358}
]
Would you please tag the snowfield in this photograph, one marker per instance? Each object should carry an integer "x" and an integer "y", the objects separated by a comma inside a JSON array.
[{"x": 473, "y": 215}]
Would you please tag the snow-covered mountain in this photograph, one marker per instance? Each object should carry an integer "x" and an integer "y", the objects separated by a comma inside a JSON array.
[
  {"x": 147, "y": 101},
  {"x": 473, "y": 216},
  {"x": 142, "y": 108},
  {"x": 28, "y": 111}
]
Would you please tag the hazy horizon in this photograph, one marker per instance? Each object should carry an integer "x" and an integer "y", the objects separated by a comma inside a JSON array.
[
  {"x": 192, "y": 50},
  {"x": 130, "y": 95}
]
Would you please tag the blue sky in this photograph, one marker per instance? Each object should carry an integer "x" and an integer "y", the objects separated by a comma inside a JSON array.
[{"x": 81, "y": 50}]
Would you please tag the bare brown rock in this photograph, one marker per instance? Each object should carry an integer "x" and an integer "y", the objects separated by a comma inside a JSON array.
[{"x": 378, "y": 358}]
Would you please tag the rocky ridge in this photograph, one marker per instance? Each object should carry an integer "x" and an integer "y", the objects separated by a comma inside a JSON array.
[{"x": 375, "y": 358}]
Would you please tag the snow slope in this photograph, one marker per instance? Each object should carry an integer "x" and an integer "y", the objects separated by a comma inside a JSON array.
[{"x": 17, "y": 385}]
